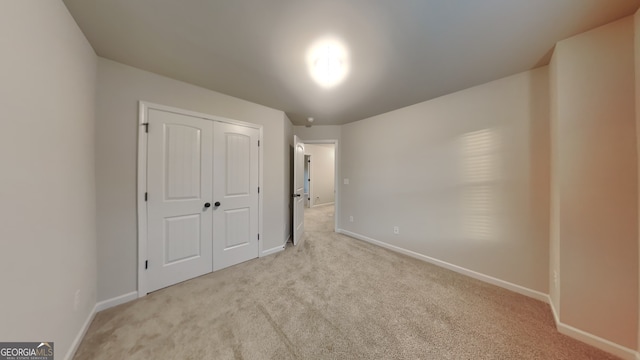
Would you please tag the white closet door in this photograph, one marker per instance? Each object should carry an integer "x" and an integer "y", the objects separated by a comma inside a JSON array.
[
  {"x": 235, "y": 209},
  {"x": 179, "y": 185}
]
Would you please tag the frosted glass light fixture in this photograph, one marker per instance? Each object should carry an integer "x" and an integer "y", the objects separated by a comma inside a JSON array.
[{"x": 328, "y": 62}]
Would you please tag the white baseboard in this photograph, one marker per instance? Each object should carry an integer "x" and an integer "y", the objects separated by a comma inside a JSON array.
[
  {"x": 580, "y": 335},
  {"x": 109, "y": 303},
  {"x": 476, "y": 275},
  {"x": 274, "y": 250},
  {"x": 323, "y": 204},
  {"x": 76, "y": 342},
  {"x": 556, "y": 317},
  {"x": 102, "y": 305},
  {"x": 593, "y": 340}
]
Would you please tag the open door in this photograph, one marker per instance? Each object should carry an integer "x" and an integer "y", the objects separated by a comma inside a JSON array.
[{"x": 298, "y": 189}]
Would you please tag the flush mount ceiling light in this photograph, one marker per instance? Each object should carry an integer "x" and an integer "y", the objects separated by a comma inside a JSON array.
[
  {"x": 310, "y": 121},
  {"x": 328, "y": 62}
]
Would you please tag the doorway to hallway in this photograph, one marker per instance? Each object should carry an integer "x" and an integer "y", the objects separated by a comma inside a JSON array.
[
  {"x": 319, "y": 218},
  {"x": 315, "y": 174},
  {"x": 319, "y": 174}
]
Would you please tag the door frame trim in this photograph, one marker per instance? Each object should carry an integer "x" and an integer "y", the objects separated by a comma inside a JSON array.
[{"x": 143, "y": 111}]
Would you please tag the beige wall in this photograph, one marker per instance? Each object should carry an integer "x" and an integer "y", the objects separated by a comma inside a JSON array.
[
  {"x": 119, "y": 89},
  {"x": 47, "y": 201},
  {"x": 322, "y": 172},
  {"x": 636, "y": 21},
  {"x": 318, "y": 132},
  {"x": 554, "y": 211},
  {"x": 596, "y": 176},
  {"x": 464, "y": 176}
]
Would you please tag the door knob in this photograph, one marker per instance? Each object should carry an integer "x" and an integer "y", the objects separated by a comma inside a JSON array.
[
  {"x": 217, "y": 204},
  {"x": 207, "y": 205}
]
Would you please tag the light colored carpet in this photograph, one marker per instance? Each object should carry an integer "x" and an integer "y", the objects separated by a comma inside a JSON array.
[
  {"x": 332, "y": 297},
  {"x": 319, "y": 219}
]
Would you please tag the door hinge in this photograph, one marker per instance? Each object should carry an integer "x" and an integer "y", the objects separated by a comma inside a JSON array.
[
  {"x": 146, "y": 264},
  {"x": 258, "y": 237},
  {"x": 146, "y": 196},
  {"x": 258, "y": 189},
  {"x": 146, "y": 127},
  {"x": 258, "y": 142}
]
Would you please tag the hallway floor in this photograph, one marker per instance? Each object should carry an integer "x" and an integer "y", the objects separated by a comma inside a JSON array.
[{"x": 319, "y": 218}]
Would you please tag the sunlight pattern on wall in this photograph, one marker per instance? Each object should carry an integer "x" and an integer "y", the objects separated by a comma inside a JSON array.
[{"x": 479, "y": 156}]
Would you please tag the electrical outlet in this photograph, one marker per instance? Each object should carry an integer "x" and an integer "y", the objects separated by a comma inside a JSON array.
[
  {"x": 351, "y": 218},
  {"x": 555, "y": 279},
  {"x": 76, "y": 300},
  {"x": 396, "y": 230},
  {"x": 346, "y": 181}
]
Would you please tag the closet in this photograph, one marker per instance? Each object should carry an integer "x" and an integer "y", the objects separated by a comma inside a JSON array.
[{"x": 201, "y": 195}]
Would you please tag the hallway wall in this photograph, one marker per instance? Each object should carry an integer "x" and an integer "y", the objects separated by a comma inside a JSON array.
[{"x": 322, "y": 172}]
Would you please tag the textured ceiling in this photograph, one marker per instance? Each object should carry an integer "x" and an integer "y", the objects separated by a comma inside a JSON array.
[{"x": 401, "y": 52}]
